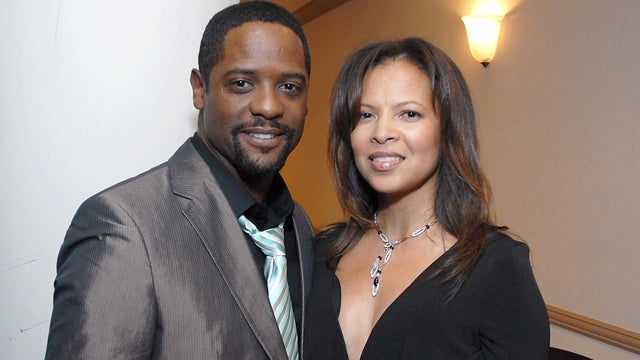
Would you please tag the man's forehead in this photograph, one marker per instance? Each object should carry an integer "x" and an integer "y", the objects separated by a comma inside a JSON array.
[
  {"x": 259, "y": 33},
  {"x": 257, "y": 45}
]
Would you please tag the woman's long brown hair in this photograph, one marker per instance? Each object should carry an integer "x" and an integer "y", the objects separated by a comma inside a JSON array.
[{"x": 463, "y": 195}]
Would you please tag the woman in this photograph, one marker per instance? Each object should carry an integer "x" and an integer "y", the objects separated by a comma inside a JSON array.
[{"x": 419, "y": 270}]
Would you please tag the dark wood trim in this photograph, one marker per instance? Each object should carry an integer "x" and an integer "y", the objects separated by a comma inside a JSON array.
[
  {"x": 598, "y": 330},
  {"x": 315, "y": 8}
]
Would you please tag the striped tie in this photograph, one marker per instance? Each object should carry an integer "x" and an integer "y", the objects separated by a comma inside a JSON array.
[{"x": 271, "y": 242}]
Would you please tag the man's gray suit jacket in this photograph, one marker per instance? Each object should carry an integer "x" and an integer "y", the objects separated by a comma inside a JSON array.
[{"x": 157, "y": 268}]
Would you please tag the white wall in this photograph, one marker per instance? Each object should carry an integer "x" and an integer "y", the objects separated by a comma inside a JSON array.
[{"x": 91, "y": 93}]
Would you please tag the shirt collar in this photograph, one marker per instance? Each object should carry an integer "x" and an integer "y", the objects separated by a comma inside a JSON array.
[{"x": 278, "y": 202}]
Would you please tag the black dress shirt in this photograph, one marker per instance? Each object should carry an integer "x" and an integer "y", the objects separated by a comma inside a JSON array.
[{"x": 278, "y": 207}]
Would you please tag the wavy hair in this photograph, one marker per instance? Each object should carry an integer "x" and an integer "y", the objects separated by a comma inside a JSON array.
[{"x": 463, "y": 195}]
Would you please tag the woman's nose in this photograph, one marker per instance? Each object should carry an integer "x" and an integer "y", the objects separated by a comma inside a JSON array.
[{"x": 383, "y": 130}]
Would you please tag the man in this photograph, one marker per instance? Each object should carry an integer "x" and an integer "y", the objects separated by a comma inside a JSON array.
[{"x": 158, "y": 267}]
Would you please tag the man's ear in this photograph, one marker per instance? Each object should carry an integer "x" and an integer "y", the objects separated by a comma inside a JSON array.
[{"x": 198, "y": 88}]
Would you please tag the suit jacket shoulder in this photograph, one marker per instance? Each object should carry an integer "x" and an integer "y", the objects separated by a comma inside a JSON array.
[{"x": 154, "y": 267}]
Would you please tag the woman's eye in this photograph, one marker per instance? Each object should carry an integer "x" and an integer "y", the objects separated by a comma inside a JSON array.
[
  {"x": 366, "y": 115},
  {"x": 411, "y": 114}
]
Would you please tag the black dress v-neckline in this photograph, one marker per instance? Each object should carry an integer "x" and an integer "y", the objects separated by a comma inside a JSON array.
[
  {"x": 498, "y": 314},
  {"x": 424, "y": 276}
]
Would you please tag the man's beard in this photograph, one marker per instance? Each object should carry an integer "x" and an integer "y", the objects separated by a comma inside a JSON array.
[{"x": 254, "y": 170}]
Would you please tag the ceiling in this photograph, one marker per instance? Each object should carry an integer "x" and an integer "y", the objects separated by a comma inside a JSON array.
[
  {"x": 307, "y": 10},
  {"x": 291, "y": 5}
]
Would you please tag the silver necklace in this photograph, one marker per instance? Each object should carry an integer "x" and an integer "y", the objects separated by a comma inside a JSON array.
[{"x": 388, "y": 246}]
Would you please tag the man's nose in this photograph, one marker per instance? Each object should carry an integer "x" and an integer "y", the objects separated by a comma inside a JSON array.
[{"x": 267, "y": 104}]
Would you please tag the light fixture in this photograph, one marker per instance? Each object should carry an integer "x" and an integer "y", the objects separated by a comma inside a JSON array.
[{"x": 483, "y": 31}]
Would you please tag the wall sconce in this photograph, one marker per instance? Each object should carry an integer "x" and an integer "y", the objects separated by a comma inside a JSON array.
[{"x": 483, "y": 31}]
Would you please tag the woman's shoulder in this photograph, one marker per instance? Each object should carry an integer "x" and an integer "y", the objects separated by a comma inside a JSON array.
[
  {"x": 501, "y": 241},
  {"x": 324, "y": 242},
  {"x": 504, "y": 248},
  {"x": 503, "y": 252}
]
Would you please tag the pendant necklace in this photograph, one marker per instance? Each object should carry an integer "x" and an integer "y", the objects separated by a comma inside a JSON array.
[{"x": 388, "y": 246}]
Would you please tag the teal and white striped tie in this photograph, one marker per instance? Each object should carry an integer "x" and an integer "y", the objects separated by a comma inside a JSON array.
[{"x": 271, "y": 242}]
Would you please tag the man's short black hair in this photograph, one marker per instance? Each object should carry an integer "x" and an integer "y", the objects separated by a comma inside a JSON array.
[{"x": 212, "y": 44}]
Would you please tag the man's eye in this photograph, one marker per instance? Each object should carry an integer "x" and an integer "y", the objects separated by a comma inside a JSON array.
[
  {"x": 290, "y": 87},
  {"x": 240, "y": 86},
  {"x": 240, "y": 83}
]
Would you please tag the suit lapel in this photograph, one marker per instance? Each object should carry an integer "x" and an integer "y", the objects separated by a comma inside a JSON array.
[
  {"x": 211, "y": 216},
  {"x": 304, "y": 232}
]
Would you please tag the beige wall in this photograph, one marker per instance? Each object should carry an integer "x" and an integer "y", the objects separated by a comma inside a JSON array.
[{"x": 559, "y": 118}]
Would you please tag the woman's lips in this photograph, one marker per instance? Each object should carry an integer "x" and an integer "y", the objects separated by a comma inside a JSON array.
[{"x": 385, "y": 161}]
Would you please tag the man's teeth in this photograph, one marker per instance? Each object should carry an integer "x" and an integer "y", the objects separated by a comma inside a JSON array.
[{"x": 262, "y": 136}]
